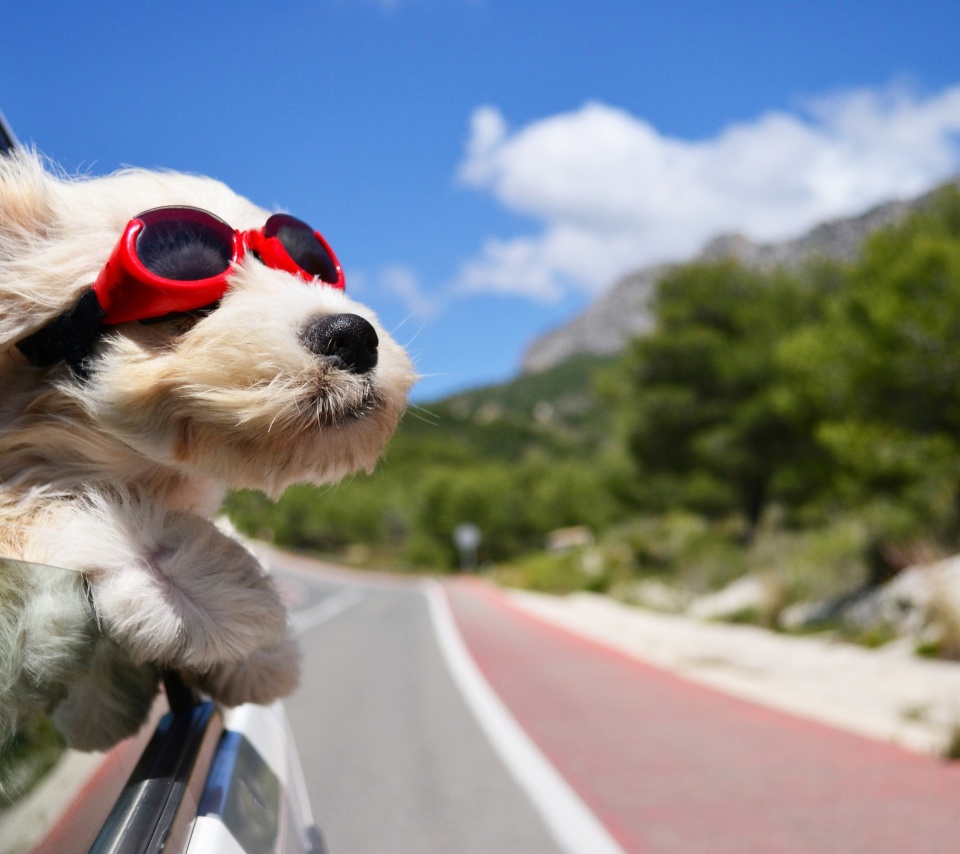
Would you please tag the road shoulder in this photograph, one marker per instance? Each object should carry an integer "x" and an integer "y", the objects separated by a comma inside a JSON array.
[{"x": 886, "y": 694}]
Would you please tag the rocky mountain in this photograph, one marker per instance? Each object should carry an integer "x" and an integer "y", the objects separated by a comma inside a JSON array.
[{"x": 623, "y": 312}]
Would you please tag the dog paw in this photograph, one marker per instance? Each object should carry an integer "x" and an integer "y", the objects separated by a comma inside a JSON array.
[
  {"x": 264, "y": 676},
  {"x": 109, "y": 703},
  {"x": 170, "y": 588}
]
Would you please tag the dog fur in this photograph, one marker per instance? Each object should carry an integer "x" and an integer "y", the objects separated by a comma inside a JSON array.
[{"x": 118, "y": 476}]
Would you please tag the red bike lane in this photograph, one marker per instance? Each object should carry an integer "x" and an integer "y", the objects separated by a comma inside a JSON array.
[{"x": 671, "y": 766}]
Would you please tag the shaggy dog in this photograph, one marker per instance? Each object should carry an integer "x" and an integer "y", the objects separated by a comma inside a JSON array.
[{"x": 115, "y": 457}]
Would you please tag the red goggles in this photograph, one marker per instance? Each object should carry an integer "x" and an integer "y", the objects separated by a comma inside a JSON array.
[{"x": 178, "y": 259}]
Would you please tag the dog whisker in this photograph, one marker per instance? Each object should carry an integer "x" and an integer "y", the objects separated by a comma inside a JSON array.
[
  {"x": 409, "y": 341},
  {"x": 400, "y": 325},
  {"x": 424, "y": 415}
]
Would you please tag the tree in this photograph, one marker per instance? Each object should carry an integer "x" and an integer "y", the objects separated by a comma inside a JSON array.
[
  {"x": 703, "y": 419},
  {"x": 883, "y": 371}
]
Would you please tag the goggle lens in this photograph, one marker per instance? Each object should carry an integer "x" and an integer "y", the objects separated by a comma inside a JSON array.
[
  {"x": 184, "y": 245},
  {"x": 304, "y": 246}
]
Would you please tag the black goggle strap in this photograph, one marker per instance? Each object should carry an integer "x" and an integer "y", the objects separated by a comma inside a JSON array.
[{"x": 68, "y": 338}]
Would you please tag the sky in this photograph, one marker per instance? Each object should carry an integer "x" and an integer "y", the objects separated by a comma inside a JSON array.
[{"x": 484, "y": 169}]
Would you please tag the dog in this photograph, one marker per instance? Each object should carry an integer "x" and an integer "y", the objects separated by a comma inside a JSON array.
[{"x": 121, "y": 432}]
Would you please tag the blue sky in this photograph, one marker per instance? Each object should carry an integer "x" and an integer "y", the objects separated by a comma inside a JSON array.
[{"x": 485, "y": 168}]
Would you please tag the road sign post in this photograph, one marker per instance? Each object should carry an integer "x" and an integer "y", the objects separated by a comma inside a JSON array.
[{"x": 467, "y": 538}]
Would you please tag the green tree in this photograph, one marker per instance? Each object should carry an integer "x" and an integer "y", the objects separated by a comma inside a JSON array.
[
  {"x": 486, "y": 495},
  {"x": 883, "y": 371},
  {"x": 702, "y": 410}
]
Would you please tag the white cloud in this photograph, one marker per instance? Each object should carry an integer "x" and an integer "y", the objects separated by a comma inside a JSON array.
[{"x": 613, "y": 193}]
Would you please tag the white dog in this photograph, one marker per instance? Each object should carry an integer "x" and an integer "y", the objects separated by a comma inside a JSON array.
[{"x": 128, "y": 405}]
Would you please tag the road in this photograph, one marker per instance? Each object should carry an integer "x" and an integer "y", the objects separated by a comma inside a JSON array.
[
  {"x": 393, "y": 758},
  {"x": 401, "y": 756}
]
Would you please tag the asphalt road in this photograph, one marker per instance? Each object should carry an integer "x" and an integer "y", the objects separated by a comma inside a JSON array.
[
  {"x": 671, "y": 766},
  {"x": 396, "y": 761}
]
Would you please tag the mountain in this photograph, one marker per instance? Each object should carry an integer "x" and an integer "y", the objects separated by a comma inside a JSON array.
[
  {"x": 622, "y": 313},
  {"x": 555, "y": 411}
]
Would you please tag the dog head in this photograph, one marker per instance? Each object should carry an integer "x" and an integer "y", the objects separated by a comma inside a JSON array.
[{"x": 283, "y": 380}]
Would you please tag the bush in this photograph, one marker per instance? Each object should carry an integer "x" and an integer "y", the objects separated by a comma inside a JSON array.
[{"x": 553, "y": 573}]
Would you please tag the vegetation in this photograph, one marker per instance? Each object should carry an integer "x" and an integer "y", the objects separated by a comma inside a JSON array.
[
  {"x": 26, "y": 757},
  {"x": 802, "y": 426},
  {"x": 701, "y": 397},
  {"x": 517, "y": 461}
]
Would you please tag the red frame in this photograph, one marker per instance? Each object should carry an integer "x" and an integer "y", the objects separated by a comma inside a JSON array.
[
  {"x": 127, "y": 290},
  {"x": 273, "y": 254}
]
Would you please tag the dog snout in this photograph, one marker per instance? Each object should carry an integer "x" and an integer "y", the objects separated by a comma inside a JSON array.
[{"x": 347, "y": 340}]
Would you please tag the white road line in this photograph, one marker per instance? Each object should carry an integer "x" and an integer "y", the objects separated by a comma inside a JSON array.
[
  {"x": 325, "y": 610},
  {"x": 569, "y": 820}
]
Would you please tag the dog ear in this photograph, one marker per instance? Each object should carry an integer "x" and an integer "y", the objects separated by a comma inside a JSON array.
[{"x": 40, "y": 272}]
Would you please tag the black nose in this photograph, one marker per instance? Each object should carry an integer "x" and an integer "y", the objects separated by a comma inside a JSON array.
[{"x": 347, "y": 340}]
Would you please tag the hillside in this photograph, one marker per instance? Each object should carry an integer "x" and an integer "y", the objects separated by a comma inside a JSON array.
[
  {"x": 756, "y": 418},
  {"x": 606, "y": 326},
  {"x": 556, "y": 408},
  {"x": 497, "y": 456}
]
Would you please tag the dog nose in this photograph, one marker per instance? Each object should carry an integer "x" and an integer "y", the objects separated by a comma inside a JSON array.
[{"x": 349, "y": 341}]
